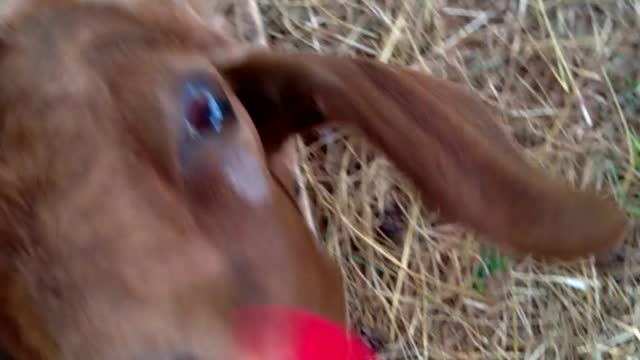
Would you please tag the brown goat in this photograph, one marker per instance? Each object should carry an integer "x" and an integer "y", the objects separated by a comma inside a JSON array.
[{"x": 137, "y": 204}]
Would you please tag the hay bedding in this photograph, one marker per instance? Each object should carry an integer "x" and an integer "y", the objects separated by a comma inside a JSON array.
[{"x": 566, "y": 77}]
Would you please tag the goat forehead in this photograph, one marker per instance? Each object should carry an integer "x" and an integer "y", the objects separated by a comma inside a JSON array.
[
  {"x": 67, "y": 27},
  {"x": 69, "y": 53},
  {"x": 89, "y": 31}
]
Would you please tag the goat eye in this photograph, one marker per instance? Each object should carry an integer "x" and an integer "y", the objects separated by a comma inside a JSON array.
[{"x": 205, "y": 108}]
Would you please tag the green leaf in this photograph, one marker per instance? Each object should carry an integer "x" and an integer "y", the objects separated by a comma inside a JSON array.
[{"x": 491, "y": 263}]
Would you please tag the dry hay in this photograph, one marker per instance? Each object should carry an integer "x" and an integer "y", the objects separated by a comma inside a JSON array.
[{"x": 565, "y": 74}]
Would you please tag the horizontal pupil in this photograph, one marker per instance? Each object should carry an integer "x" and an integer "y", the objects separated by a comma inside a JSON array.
[{"x": 198, "y": 115}]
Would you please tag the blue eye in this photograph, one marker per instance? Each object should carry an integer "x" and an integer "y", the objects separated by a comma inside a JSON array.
[{"x": 205, "y": 108}]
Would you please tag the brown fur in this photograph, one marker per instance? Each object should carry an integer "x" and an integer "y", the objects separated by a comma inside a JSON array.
[{"x": 112, "y": 248}]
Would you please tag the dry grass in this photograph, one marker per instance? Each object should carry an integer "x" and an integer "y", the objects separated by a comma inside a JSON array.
[{"x": 566, "y": 76}]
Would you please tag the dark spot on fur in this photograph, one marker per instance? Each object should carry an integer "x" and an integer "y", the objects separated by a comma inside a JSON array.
[{"x": 4, "y": 355}]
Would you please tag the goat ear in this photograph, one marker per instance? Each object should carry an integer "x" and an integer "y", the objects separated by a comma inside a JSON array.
[{"x": 442, "y": 136}]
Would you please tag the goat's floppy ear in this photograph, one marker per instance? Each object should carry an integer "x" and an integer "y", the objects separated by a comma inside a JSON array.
[{"x": 442, "y": 137}]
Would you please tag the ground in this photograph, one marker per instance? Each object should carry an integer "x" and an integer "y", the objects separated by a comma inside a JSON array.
[{"x": 565, "y": 76}]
